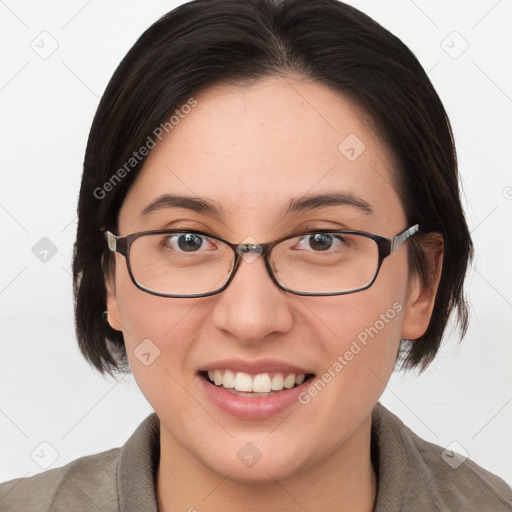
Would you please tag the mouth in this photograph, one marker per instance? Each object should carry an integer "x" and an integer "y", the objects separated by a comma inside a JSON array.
[{"x": 264, "y": 384}]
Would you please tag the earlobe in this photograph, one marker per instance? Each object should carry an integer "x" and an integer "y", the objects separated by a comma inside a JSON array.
[
  {"x": 421, "y": 298},
  {"x": 113, "y": 317}
]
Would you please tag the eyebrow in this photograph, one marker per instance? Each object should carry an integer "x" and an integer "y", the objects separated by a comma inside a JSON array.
[
  {"x": 311, "y": 202},
  {"x": 294, "y": 206},
  {"x": 190, "y": 203}
]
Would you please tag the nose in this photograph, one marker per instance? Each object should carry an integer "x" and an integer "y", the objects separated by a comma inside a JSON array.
[{"x": 252, "y": 307}]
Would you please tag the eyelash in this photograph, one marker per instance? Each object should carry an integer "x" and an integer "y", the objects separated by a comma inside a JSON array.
[
  {"x": 176, "y": 236},
  {"x": 306, "y": 229}
]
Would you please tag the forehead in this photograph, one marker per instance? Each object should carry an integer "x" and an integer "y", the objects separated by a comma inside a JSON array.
[{"x": 252, "y": 148}]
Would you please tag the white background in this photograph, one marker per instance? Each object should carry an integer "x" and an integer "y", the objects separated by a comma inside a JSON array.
[{"x": 50, "y": 394}]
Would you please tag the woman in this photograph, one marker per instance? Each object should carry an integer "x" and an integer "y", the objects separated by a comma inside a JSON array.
[{"x": 269, "y": 222}]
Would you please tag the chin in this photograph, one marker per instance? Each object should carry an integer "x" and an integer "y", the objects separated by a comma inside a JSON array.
[{"x": 266, "y": 470}]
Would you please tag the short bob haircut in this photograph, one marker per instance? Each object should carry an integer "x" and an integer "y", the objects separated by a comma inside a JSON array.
[{"x": 207, "y": 42}]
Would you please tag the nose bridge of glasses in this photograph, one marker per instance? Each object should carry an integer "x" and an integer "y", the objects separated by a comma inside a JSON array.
[
  {"x": 250, "y": 251},
  {"x": 245, "y": 248},
  {"x": 250, "y": 246}
]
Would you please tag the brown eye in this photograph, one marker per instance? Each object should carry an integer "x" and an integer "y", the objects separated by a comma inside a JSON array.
[
  {"x": 321, "y": 242},
  {"x": 187, "y": 242}
]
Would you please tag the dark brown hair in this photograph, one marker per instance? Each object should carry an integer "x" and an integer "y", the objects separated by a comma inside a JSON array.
[{"x": 207, "y": 42}]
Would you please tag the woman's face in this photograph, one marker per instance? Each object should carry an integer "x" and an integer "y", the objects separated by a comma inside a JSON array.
[{"x": 250, "y": 151}]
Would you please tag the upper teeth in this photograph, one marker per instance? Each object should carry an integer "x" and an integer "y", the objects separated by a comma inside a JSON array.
[{"x": 261, "y": 383}]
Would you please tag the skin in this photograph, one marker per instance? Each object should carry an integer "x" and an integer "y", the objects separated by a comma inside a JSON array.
[{"x": 252, "y": 149}]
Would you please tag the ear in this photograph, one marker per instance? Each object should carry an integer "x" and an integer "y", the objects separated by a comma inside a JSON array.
[
  {"x": 420, "y": 301},
  {"x": 113, "y": 316}
]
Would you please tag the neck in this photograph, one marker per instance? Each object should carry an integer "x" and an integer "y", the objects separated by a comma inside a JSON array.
[{"x": 345, "y": 481}]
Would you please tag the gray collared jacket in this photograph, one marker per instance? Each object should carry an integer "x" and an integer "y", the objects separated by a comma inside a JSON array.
[{"x": 413, "y": 476}]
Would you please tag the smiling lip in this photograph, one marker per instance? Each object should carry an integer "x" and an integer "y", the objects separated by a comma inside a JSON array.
[
  {"x": 257, "y": 408},
  {"x": 254, "y": 367},
  {"x": 247, "y": 407}
]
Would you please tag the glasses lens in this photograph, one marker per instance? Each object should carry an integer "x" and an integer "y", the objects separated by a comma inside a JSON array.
[
  {"x": 180, "y": 263},
  {"x": 189, "y": 264},
  {"x": 325, "y": 262}
]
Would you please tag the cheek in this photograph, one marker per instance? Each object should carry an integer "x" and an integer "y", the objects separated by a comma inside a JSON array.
[
  {"x": 369, "y": 351},
  {"x": 146, "y": 316},
  {"x": 357, "y": 341},
  {"x": 364, "y": 333},
  {"x": 376, "y": 317},
  {"x": 357, "y": 363},
  {"x": 158, "y": 335},
  {"x": 363, "y": 339}
]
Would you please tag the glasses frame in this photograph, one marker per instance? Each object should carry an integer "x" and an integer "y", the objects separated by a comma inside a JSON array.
[{"x": 386, "y": 247}]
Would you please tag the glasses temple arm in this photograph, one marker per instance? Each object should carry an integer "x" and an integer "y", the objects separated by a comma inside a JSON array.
[
  {"x": 111, "y": 241},
  {"x": 399, "y": 239}
]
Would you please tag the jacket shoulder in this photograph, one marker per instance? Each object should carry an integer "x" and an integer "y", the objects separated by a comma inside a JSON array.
[
  {"x": 86, "y": 483},
  {"x": 416, "y": 474},
  {"x": 458, "y": 483}
]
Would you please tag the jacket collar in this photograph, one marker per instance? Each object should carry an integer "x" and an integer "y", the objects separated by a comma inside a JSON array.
[{"x": 136, "y": 468}]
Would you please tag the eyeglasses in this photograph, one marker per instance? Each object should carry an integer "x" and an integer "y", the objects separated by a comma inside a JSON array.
[{"x": 190, "y": 263}]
